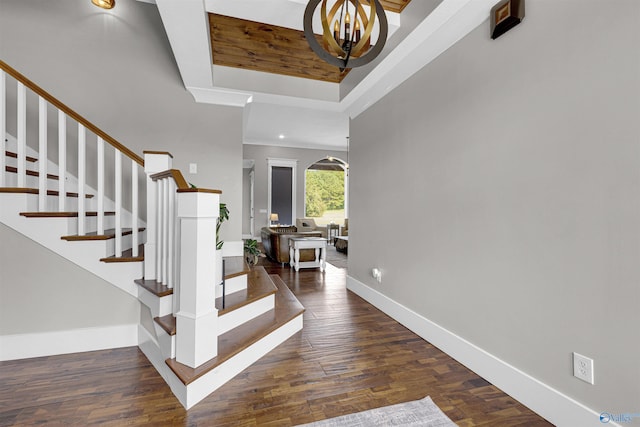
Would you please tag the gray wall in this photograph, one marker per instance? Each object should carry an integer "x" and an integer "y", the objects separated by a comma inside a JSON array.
[
  {"x": 42, "y": 292},
  {"x": 513, "y": 168},
  {"x": 305, "y": 158}
]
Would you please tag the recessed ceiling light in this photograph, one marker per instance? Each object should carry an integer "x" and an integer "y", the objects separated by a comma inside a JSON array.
[{"x": 281, "y": 136}]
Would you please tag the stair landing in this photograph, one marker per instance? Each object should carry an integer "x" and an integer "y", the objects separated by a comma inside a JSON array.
[{"x": 231, "y": 343}]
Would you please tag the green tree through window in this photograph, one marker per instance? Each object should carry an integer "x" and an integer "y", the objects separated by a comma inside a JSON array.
[{"x": 324, "y": 192}]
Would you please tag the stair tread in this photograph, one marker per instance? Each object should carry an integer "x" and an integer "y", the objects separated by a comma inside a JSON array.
[
  {"x": 15, "y": 156},
  {"x": 108, "y": 234},
  {"x": 20, "y": 190},
  {"x": 61, "y": 214},
  {"x": 259, "y": 285},
  {"x": 127, "y": 256},
  {"x": 235, "y": 266},
  {"x": 287, "y": 307},
  {"x": 155, "y": 288},
  {"x": 13, "y": 169},
  {"x": 25, "y": 190},
  {"x": 168, "y": 323}
]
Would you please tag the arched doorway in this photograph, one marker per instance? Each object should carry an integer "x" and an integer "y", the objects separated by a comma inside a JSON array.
[{"x": 326, "y": 191}]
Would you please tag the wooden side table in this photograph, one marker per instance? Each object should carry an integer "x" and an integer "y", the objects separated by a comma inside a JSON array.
[{"x": 317, "y": 243}]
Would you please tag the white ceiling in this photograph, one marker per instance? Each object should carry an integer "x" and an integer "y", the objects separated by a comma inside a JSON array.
[{"x": 295, "y": 112}]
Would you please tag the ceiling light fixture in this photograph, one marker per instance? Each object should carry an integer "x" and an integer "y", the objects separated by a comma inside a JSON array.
[
  {"x": 343, "y": 45},
  {"x": 105, "y": 4}
]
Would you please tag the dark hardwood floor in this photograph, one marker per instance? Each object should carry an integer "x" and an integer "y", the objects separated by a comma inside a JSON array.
[{"x": 349, "y": 357}]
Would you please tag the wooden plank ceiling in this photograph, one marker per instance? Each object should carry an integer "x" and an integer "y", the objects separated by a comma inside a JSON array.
[{"x": 268, "y": 48}]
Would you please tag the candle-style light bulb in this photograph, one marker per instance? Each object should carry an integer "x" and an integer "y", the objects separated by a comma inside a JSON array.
[
  {"x": 347, "y": 27},
  {"x": 336, "y": 32},
  {"x": 357, "y": 30}
]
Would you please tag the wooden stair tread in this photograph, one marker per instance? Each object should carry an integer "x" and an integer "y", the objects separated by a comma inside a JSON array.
[
  {"x": 259, "y": 285},
  {"x": 15, "y": 156},
  {"x": 36, "y": 191},
  {"x": 61, "y": 214},
  {"x": 287, "y": 307},
  {"x": 127, "y": 256},
  {"x": 13, "y": 169},
  {"x": 235, "y": 266},
  {"x": 108, "y": 234},
  {"x": 155, "y": 288},
  {"x": 168, "y": 323},
  {"x": 19, "y": 190}
]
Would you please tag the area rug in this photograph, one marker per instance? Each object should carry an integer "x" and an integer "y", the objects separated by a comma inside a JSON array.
[
  {"x": 335, "y": 258},
  {"x": 422, "y": 413}
]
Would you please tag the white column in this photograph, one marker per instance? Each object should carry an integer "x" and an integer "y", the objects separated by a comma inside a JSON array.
[
  {"x": 22, "y": 136},
  {"x": 153, "y": 163},
  {"x": 197, "y": 318},
  {"x": 62, "y": 159},
  {"x": 82, "y": 166},
  {"x": 42, "y": 155},
  {"x": 3, "y": 126}
]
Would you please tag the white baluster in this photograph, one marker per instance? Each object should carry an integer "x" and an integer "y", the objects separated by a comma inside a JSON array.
[
  {"x": 118, "y": 201},
  {"x": 82, "y": 167},
  {"x": 100, "y": 204},
  {"x": 160, "y": 229},
  {"x": 171, "y": 217},
  {"x": 165, "y": 230},
  {"x": 134, "y": 208},
  {"x": 22, "y": 135},
  {"x": 42, "y": 155},
  {"x": 3, "y": 126},
  {"x": 62, "y": 159}
]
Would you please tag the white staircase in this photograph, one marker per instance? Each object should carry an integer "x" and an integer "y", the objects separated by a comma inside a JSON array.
[{"x": 167, "y": 261}]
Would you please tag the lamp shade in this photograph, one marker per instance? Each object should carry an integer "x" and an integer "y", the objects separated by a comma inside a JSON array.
[{"x": 273, "y": 217}]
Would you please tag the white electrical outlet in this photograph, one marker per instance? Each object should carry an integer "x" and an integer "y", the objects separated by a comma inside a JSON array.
[
  {"x": 193, "y": 168},
  {"x": 583, "y": 368},
  {"x": 377, "y": 274}
]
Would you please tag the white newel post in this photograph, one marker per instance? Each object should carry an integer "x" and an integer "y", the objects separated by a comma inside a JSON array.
[
  {"x": 153, "y": 163},
  {"x": 197, "y": 318}
]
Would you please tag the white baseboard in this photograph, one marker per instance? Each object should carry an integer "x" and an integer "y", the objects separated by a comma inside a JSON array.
[
  {"x": 549, "y": 403},
  {"x": 24, "y": 346}
]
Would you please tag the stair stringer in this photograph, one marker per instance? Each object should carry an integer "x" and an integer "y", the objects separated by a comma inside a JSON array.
[{"x": 48, "y": 231}]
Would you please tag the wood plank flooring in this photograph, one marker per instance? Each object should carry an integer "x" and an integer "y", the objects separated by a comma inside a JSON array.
[{"x": 349, "y": 357}]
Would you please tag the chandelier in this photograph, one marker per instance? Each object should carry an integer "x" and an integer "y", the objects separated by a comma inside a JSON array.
[
  {"x": 105, "y": 4},
  {"x": 346, "y": 31}
]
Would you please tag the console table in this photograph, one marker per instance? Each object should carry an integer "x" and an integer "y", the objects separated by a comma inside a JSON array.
[{"x": 317, "y": 243}]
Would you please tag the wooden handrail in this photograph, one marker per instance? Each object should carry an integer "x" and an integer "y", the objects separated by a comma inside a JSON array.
[
  {"x": 181, "y": 183},
  {"x": 199, "y": 190},
  {"x": 69, "y": 112}
]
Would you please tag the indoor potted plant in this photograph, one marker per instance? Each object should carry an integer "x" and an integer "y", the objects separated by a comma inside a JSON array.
[{"x": 251, "y": 251}]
